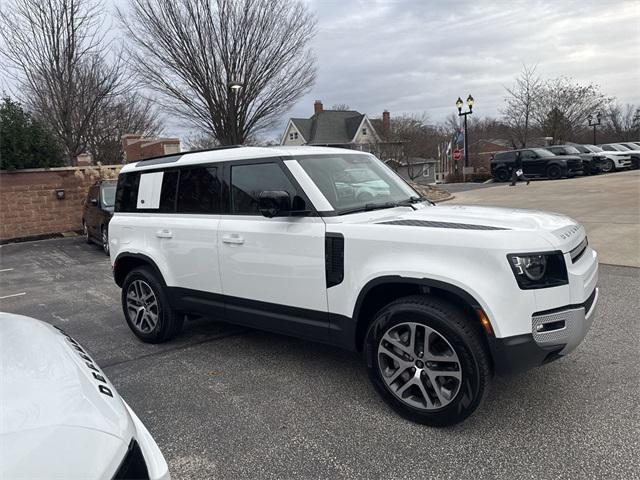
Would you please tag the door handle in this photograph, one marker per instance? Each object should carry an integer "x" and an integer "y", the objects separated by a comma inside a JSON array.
[
  {"x": 233, "y": 238},
  {"x": 164, "y": 233}
]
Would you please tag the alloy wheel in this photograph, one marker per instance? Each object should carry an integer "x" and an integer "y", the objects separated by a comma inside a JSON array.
[
  {"x": 419, "y": 366},
  {"x": 105, "y": 241},
  {"x": 142, "y": 306}
]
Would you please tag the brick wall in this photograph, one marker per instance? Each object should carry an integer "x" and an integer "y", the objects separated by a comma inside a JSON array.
[{"x": 28, "y": 202}]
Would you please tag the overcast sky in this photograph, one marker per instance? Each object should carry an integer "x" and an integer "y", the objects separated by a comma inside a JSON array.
[
  {"x": 419, "y": 56},
  {"x": 414, "y": 56}
]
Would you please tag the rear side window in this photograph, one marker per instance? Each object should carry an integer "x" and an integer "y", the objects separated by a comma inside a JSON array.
[
  {"x": 504, "y": 156},
  {"x": 169, "y": 192},
  {"x": 247, "y": 181},
  {"x": 199, "y": 190},
  {"x": 127, "y": 192}
]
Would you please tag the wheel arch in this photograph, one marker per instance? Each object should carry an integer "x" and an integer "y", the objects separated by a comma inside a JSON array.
[
  {"x": 383, "y": 290},
  {"x": 125, "y": 262}
]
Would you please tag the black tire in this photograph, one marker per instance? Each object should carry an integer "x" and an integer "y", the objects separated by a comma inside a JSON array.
[
  {"x": 635, "y": 163},
  {"x": 609, "y": 166},
  {"x": 85, "y": 232},
  {"x": 169, "y": 323},
  {"x": 554, "y": 172},
  {"x": 104, "y": 232},
  {"x": 502, "y": 175},
  {"x": 462, "y": 335}
]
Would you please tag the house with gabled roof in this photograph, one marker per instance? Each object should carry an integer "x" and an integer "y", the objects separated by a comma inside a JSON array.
[{"x": 335, "y": 128}]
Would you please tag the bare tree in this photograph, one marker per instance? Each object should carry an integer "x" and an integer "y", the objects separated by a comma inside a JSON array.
[
  {"x": 192, "y": 51},
  {"x": 128, "y": 113},
  {"x": 520, "y": 104},
  {"x": 341, "y": 106},
  {"x": 621, "y": 123},
  {"x": 562, "y": 107},
  {"x": 54, "y": 49}
]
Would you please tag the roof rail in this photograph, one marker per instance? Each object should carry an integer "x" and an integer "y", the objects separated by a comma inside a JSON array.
[{"x": 212, "y": 149}]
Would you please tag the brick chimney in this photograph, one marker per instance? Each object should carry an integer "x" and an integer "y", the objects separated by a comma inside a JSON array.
[
  {"x": 317, "y": 106},
  {"x": 386, "y": 123}
]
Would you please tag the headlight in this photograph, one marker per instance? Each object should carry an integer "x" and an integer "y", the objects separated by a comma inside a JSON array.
[{"x": 538, "y": 270}]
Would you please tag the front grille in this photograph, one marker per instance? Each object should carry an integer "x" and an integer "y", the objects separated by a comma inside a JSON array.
[
  {"x": 133, "y": 466},
  {"x": 577, "y": 252}
]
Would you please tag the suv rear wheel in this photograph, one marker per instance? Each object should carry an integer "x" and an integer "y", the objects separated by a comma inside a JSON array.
[
  {"x": 85, "y": 232},
  {"x": 427, "y": 361},
  {"x": 147, "y": 309},
  {"x": 609, "y": 166},
  {"x": 554, "y": 172},
  {"x": 105, "y": 239},
  {"x": 502, "y": 175}
]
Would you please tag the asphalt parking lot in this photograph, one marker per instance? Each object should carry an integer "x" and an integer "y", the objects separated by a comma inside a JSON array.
[{"x": 227, "y": 402}]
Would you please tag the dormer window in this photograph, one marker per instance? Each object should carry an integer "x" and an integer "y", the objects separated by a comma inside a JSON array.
[
  {"x": 293, "y": 136},
  {"x": 364, "y": 131}
]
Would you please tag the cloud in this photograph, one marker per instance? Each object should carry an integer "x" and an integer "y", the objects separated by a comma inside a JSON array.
[{"x": 419, "y": 56}]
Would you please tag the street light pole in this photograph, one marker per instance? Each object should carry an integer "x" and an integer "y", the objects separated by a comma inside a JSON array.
[
  {"x": 234, "y": 88},
  {"x": 459, "y": 104},
  {"x": 594, "y": 122}
]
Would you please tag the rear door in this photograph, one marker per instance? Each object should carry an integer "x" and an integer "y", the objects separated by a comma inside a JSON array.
[
  {"x": 189, "y": 238},
  {"x": 273, "y": 269},
  {"x": 532, "y": 164}
]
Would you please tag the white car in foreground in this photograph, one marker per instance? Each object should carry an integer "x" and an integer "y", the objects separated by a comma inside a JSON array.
[{"x": 60, "y": 416}]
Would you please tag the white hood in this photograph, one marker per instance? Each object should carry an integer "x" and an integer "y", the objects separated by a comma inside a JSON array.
[
  {"x": 560, "y": 230},
  {"x": 51, "y": 404}
]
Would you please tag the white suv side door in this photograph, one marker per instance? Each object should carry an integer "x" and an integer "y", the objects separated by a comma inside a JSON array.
[{"x": 273, "y": 269}]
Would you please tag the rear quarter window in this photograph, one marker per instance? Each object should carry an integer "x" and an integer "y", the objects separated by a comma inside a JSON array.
[
  {"x": 127, "y": 192},
  {"x": 504, "y": 156}
]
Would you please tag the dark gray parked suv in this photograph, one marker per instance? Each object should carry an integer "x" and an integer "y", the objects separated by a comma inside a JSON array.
[
  {"x": 536, "y": 162},
  {"x": 592, "y": 163}
]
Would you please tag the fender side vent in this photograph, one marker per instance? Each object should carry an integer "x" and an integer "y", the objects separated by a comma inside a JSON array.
[{"x": 334, "y": 258}]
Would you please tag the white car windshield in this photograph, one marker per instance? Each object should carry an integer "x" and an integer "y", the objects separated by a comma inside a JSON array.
[{"x": 357, "y": 182}]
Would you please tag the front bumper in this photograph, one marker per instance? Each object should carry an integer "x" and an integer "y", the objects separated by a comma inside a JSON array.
[
  {"x": 554, "y": 333},
  {"x": 156, "y": 465}
]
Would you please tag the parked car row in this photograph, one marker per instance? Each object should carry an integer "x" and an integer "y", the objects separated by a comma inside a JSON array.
[{"x": 557, "y": 161}]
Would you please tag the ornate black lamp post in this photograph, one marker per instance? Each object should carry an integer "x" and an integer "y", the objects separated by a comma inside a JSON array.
[
  {"x": 459, "y": 104},
  {"x": 594, "y": 122}
]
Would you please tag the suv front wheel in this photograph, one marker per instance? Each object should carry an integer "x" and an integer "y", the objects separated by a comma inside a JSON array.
[
  {"x": 427, "y": 361},
  {"x": 147, "y": 309}
]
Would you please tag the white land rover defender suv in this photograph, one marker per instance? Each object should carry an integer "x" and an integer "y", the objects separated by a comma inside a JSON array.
[{"x": 438, "y": 298}]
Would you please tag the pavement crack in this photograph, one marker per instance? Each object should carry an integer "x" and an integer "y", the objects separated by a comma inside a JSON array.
[{"x": 175, "y": 349}]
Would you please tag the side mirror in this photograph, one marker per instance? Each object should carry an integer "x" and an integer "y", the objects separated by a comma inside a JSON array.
[
  {"x": 93, "y": 202},
  {"x": 274, "y": 203}
]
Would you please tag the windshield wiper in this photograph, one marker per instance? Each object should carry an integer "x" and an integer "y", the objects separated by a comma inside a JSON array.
[
  {"x": 414, "y": 199},
  {"x": 368, "y": 207}
]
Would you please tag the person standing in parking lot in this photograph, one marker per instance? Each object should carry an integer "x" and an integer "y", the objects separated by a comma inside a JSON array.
[{"x": 517, "y": 173}]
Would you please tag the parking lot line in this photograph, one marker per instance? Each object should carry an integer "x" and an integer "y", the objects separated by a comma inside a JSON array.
[
  {"x": 13, "y": 295},
  {"x": 6, "y": 270}
]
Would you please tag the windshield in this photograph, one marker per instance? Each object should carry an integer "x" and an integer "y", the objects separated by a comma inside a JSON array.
[
  {"x": 593, "y": 148},
  {"x": 571, "y": 150},
  {"x": 620, "y": 148},
  {"x": 108, "y": 193},
  {"x": 582, "y": 149},
  {"x": 357, "y": 182},
  {"x": 543, "y": 153}
]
